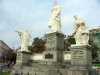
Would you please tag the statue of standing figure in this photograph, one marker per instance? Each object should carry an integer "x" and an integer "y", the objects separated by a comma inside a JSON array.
[
  {"x": 55, "y": 20},
  {"x": 24, "y": 36},
  {"x": 80, "y": 32}
]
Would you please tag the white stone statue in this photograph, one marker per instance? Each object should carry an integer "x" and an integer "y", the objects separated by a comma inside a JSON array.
[
  {"x": 24, "y": 36},
  {"x": 80, "y": 32},
  {"x": 55, "y": 20}
]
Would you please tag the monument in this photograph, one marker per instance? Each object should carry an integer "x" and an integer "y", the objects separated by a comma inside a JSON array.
[
  {"x": 23, "y": 55},
  {"x": 81, "y": 57},
  {"x": 55, "y": 38},
  {"x": 55, "y": 60}
]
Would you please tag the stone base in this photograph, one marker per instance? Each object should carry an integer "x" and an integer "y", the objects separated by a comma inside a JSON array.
[
  {"x": 81, "y": 60},
  {"x": 81, "y": 57},
  {"x": 23, "y": 58},
  {"x": 79, "y": 72},
  {"x": 48, "y": 71},
  {"x": 55, "y": 41}
]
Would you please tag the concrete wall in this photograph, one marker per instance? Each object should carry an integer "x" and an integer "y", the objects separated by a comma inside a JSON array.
[{"x": 37, "y": 57}]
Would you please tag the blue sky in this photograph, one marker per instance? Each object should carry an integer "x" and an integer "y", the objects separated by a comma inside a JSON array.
[{"x": 34, "y": 15}]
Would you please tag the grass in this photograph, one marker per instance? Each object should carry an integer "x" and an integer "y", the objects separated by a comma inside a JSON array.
[
  {"x": 4, "y": 73},
  {"x": 96, "y": 65}
]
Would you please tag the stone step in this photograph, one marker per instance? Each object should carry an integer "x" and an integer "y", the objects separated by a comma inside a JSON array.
[
  {"x": 50, "y": 66},
  {"x": 54, "y": 71},
  {"x": 54, "y": 74},
  {"x": 40, "y": 73},
  {"x": 47, "y": 73},
  {"x": 43, "y": 72}
]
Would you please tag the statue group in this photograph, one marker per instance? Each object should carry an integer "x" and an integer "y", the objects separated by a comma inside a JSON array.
[
  {"x": 80, "y": 31},
  {"x": 55, "y": 60}
]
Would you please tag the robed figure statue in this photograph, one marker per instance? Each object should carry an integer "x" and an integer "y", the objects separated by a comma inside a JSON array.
[
  {"x": 80, "y": 31},
  {"x": 24, "y": 36},
  {"x": 55, "y": 19}
]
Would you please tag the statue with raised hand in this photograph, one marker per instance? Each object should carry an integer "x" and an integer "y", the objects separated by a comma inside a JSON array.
[{"x": 24, "y": 36}]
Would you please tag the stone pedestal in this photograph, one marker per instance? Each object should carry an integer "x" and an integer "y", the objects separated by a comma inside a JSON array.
[
  {"x": 23, "y": 57},
  {"x": 55, "y": 41},
  {"x": 54, "y": 47},
  {"x": 81, "y": 60}
]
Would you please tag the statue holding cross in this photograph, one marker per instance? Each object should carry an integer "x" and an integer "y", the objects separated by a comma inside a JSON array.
[{"x": 55, "y": 19}]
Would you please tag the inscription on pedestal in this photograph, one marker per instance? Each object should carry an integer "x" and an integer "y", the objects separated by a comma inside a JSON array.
[
  {"x": 78, "y": 56},
  {"x": 50, "y": 40},
  {"x": 19, "y": 56}
]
